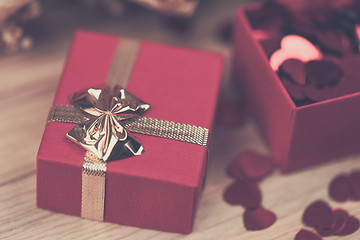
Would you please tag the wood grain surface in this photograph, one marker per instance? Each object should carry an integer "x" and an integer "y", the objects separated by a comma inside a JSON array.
[{"x": 28, "y": 83}]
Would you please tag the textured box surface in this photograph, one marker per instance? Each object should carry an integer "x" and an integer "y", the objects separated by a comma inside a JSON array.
[{"x": 159, "y": 189}]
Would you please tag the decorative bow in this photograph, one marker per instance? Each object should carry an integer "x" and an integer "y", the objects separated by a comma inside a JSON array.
[{"x": 103, "y": 133}]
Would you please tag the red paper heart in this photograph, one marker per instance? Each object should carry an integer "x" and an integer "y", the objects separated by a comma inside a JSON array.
[
  {"x": 294, "y": 90},
  {"x": 325, "y": 231},
  {"x": 339, "y": 189},
  {"x": 351, "y": 226},
  {"x": 320, "y": 73},
  {"x": 354, "y": 183},
  {"x": 234, "y": 171},
  {"x": 250, "y": 165},
  {"x": 258, "y": 219},
  {"x": 318, "y": 214},
  {"x": 333, "y": 41},
  {"x": 306, "y": 235},
  {"x": 320, "y": 94},
  {"x": 340, "y": 217},
  {"x": 295, "y": 69},
  {"x": 244, "y": 193}
]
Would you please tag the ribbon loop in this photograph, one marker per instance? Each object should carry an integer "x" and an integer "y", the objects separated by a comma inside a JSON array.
[{"x": 103, "y": 134}]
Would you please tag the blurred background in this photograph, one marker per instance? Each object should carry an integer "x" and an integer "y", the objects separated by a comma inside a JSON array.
[
  {"x": 34, "y": 31},
  {"x": 192, "y": 23}
]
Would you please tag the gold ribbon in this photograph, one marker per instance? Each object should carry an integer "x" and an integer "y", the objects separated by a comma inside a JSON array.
[
  {"x": 104, "y": 118},
  {"x": 103, "y": 134}
]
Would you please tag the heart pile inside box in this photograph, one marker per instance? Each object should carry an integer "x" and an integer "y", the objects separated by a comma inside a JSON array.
[
  {"x": 301, "y": 88},
  {"x": 314, "y": 48}
]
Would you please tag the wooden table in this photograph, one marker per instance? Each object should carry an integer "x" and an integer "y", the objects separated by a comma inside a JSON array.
[{"x": 28, "y": 83}]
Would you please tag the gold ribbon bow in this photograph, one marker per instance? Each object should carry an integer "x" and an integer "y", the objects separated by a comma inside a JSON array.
[
  {"x": 104, "y": 118},
  {"x": 103, "y": 134}
]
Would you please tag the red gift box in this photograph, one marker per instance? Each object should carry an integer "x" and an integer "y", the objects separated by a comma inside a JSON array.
[
  {"x": 297, "y": 136},
  {"x": 159, "y": 189}
]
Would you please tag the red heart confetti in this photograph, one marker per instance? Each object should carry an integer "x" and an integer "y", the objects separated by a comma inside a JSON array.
[
  {"x": 322, "y": 73},
  {"x": 306, "y": 235},
  {"x": 258, "y": 219},
  {"x": 250, "y": 165},
  {"x": 339, "y": 189},
  {"x": 246, "y": 169},
  {"x": 294, "y": 46},
  {"x": 341, "y": 217},
  {"x": 351, "y": 226},
  {"x": 244, "y": 193},
  {"x": 344, "y": 187},
  {"x": 233, "y": 170},
  {"x": 294, "y": 90},
  {"x": 354, "y": 182},
  {"x": 320, "y": 94},
  {"x": 295, "y": 69},
  {"x": 325, "y": 232},
  {"x": 333, "y": 41},
  {"x": 318, "y": 214}
]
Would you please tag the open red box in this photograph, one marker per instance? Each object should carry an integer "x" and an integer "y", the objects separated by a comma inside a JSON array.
[
  {"x": 159, "y": 189},
  {"x": 297, "y": 136}
]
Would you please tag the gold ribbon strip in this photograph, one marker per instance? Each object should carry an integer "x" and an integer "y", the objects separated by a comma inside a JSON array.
[
  {"x": 93, "y": 187},
  {"x": 94, "y": 168},
  {"x": 123, "y": 63},
  {"x": 144, "y": 125}
]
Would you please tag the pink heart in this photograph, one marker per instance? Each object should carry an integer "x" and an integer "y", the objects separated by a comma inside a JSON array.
[{"x": 294, "y": 46}]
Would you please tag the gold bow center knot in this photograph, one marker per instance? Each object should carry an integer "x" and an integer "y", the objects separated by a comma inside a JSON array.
[{"x": 102, "y": 133}]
